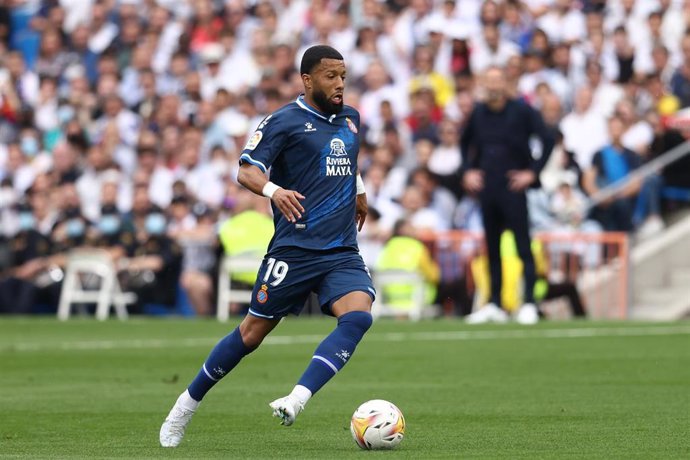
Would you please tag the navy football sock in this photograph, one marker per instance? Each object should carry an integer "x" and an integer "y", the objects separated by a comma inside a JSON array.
[
  {"x": 222, "y": 359},
  {"x": 335, "y": 350}
]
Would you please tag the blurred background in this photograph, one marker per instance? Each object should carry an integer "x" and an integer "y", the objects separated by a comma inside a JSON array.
[{"x": 121, "y": 124}]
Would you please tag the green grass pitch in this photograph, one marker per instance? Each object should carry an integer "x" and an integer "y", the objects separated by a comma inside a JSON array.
[{"x": 84, "y": 389}]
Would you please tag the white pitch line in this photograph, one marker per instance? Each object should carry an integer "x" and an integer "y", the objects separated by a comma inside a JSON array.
[{"x": 374, "y": 337}]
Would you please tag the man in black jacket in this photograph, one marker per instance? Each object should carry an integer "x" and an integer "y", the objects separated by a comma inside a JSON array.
[{"x": 498, "y": 166}]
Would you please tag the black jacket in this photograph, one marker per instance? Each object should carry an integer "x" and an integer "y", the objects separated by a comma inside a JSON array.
[{"x": 497, "y": 142}]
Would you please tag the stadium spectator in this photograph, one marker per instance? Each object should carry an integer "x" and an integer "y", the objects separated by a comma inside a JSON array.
[
  {"x": 192, "y": 228},
  {"x": 445, "y": 159},
  {"x": 680, "y": 82},
  {"x": 424, "y": 76},
  {"x": 637, "y": 204},
  {"x": 403, "y": 251},
  {"x": 246, "y": 232},
  {"x": 584, "y": 119},
  {"x": 415, "y": 206},
  {"x": 29, "y": 251},
  {"x": 153, "y": 271},
  {"x": 440, "y": 199},
  {"x": 638, "y": 133},
  {"x": 491, "y": 50}
]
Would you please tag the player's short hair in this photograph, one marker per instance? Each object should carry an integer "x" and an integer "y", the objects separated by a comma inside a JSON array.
[{"x": 312, "y": 57}]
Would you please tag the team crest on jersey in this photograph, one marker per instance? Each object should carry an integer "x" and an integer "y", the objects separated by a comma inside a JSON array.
[
  {"x": 351, "y": 125},
  {"x": 262, "y": 295},
  {"x": 253, "y": 141},
  {"x": 337, "y": 162},
  {"x": 337, "y": 147}
]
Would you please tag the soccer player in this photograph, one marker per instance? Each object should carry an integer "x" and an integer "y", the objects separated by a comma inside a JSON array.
[{"x": 311, "y": 146}]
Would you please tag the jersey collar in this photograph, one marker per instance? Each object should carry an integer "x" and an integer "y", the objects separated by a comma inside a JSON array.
[{"x": 302, "y": 103}]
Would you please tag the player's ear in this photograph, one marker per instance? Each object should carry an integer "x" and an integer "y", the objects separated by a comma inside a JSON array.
[{"x": 306, "y": 80}]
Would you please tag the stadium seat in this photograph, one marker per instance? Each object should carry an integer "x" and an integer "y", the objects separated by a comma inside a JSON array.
[
  {"x": 108, "y": 294},
  {"x": 226, "y": 293},
  {"x": 385, "y": 278}
]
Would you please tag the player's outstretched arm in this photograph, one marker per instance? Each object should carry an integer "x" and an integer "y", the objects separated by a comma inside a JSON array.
[{"x": 287, "y": 201}]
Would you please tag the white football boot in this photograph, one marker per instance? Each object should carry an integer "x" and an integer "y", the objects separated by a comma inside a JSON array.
[
  {"x": 172, "y": 430},
  {"x": 286, "y": 409},
  {"x": 527, "y": 314},
  {"x": 490, "y": 313}
]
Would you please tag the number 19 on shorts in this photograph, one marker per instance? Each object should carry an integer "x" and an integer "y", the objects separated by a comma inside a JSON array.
[{"x": 276, "y": 268}]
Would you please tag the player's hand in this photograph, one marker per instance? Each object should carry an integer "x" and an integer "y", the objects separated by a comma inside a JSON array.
[
  {"x": 473, "y": 180},
  {"x": 361, "y": 211},
  {"x": 288, "y": 202},
  {"x": 520, "y": 179}
]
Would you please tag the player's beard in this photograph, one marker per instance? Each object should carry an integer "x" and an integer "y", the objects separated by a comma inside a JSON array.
[{"x": 325, "y": 104}]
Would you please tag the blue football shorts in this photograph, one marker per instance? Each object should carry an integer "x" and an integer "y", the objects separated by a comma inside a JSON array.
[{"x": 287, "y": 277}]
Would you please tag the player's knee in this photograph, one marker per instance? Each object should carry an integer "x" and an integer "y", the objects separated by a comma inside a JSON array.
[
  {"x": 252, "y": 339},
  {"x": 359, "y": 321},
  {"x": 253, "y": 332}
]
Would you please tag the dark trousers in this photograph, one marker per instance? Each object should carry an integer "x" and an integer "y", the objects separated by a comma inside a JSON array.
[
  {"x": 17, "y": 296},
  {"x": 454, "y": 297},
  {"x": 615, "y": 217},
  {"x": 505, "y": 210},
  {"x": 569, "y": 291}
]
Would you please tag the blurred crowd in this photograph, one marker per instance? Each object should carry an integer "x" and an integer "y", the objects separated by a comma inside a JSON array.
[{"x": 121, "y": 121}]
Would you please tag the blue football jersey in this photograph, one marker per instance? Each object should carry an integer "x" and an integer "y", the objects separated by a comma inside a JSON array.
[{"x": 314, "y": 154}]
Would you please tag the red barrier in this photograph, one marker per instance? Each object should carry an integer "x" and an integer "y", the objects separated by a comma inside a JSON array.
[{"x": 598, "y": 263}]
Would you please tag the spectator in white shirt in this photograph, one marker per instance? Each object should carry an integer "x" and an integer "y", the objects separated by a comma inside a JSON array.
[
  {"x": 638, "y": 134},
  {"x": 25, "y": 80},
  {"x": 653, "y": 38},
  {"x": 410, "y": 28},
  {"x": 439, "y": 198},
  {"x": 537, "y": 73},
  {"x": 446, "y": 159},
  {"x": 379, "y": 89},
  {"x": 168, "y": 31},
  {"x": 46, "y": 113},
  {"x": 201, "y": 179},
  {"x": 172, "y": 81},
  {"x": 100, "y": 169},
  {"x": 415, "y": 206},
  {"x": 563, "y": 23},
  {"x": 605, "y": 95},
  {"x": 676, "y": 17},
  {"x": 584, "y": 129},
  {"x": 160, "y": 178},
  {"x": 491, "y": 50},
  {"x": 374, "y": 182},
  {"x": 128, "y": 123},
  {"x": 210, "y": 76},
  {"x": 235, "y": 58},
  {"x": 18, "y": 169},
  {"x": 103, "y": 32}
]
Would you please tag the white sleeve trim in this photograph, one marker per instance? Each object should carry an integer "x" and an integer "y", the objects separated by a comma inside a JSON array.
[{"x": 250, "y": 160}]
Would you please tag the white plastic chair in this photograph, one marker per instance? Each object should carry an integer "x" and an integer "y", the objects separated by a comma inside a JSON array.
[
  {"x": 226, "y": 293},
  {"x": 384, "y": 278},
  {"x": 109, "y": 293}
]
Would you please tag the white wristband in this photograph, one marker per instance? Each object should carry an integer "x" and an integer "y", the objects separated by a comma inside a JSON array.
[
  {"x": 360, "y": 185},
  {"x": 269, "y": 189}
]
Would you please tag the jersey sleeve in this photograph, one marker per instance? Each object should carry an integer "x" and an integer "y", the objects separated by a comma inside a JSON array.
[{"x": 265, "y": 143}]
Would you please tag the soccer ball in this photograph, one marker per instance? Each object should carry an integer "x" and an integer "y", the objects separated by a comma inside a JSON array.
[{"x": 377, "y": 424}]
